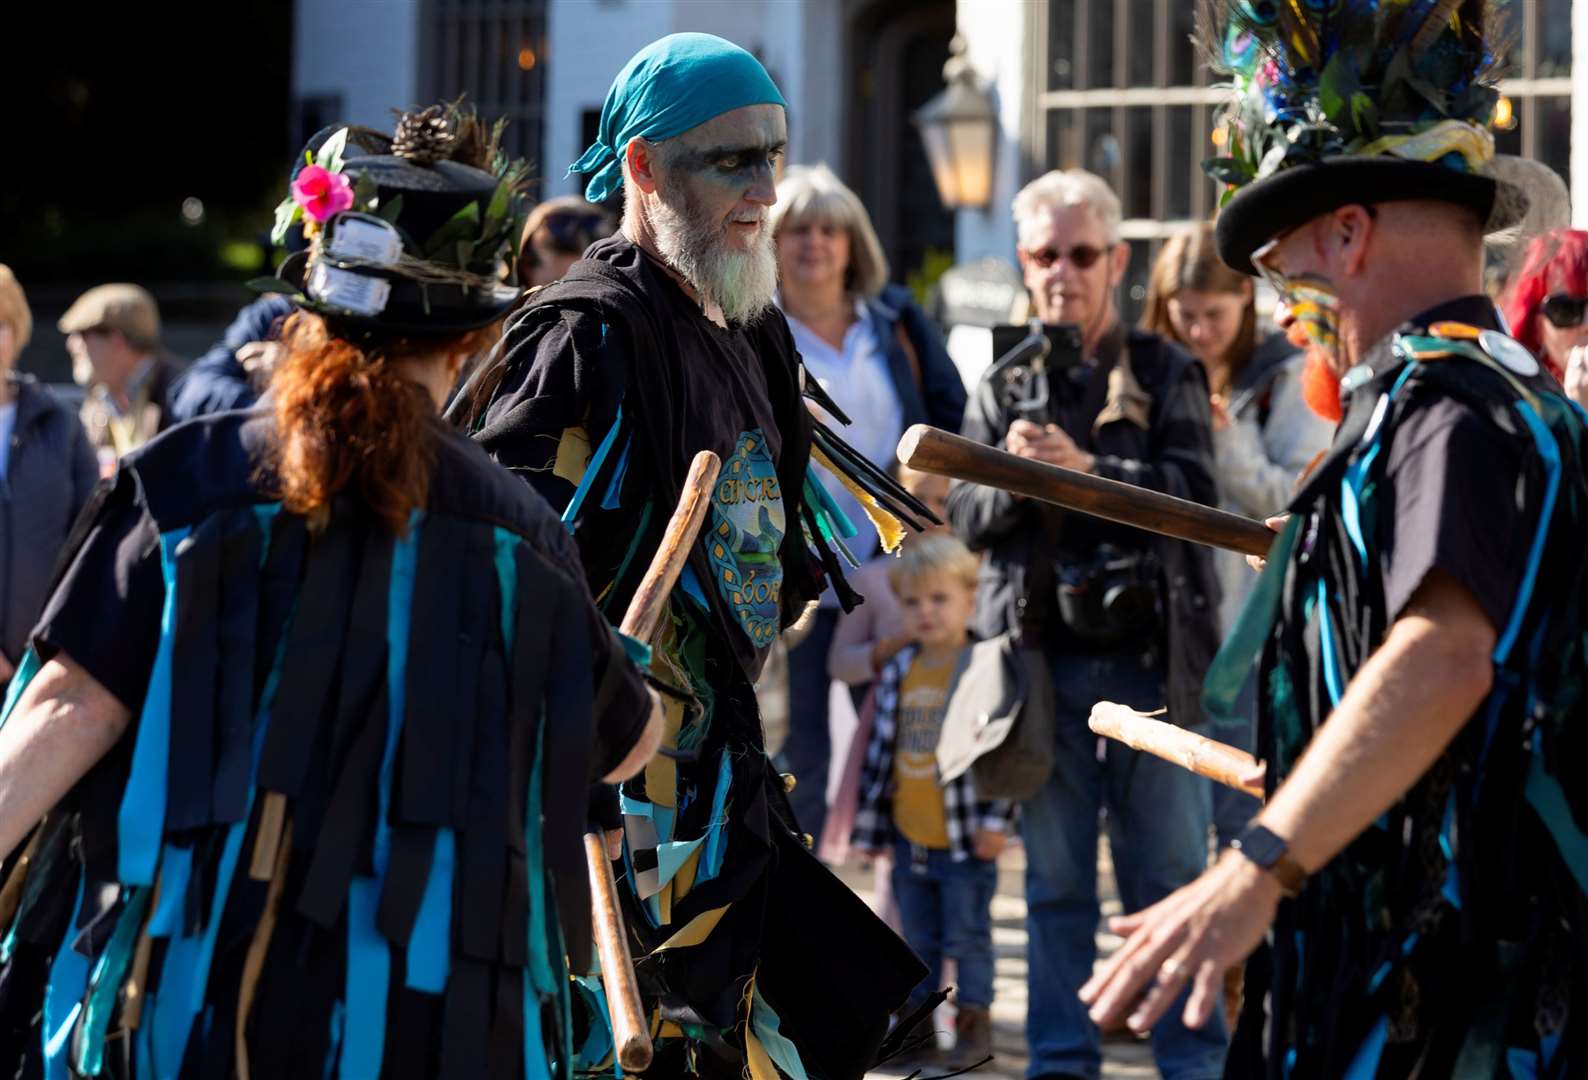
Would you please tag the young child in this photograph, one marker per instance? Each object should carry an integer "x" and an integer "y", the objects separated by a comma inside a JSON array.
[{"x": 944, "y": 839}]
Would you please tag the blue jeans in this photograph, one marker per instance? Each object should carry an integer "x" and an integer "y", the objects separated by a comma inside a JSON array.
[
  {"x": 946, "y": 909},
  {"x": 808, "y": 751},
  {"x": 1158, "y": 832}
]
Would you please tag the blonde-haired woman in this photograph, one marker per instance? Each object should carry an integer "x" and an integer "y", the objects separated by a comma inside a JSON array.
[
  {"x": 875, "y": 351},
  {"x": 47, "y": 470}
]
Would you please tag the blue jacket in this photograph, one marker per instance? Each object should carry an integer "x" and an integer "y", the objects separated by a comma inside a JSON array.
[
  {"x": 216, "y": 382},
  {"x": 51, "y": 471},
  {"x": 939, "y": 399}
]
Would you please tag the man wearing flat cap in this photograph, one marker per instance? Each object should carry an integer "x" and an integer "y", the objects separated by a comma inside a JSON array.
[
  {"x": 113, "y": 336},
  {"x": 662, "y": 342},
  {"x": 1413, "y": 895}
]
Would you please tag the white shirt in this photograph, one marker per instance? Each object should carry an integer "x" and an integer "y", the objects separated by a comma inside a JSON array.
[{"x": 858, "y": 379}]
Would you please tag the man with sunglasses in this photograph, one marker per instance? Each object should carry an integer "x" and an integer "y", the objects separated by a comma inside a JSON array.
[
  {"x": 1414, "y": 885},
  {"x": 1118, "y": 614}
]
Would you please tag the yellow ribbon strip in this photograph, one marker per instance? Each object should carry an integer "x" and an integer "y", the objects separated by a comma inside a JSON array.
[
  {"x": 1474, "y": 143},
  {"x": 889, "y": 529},
  {"x": 698, "y": 929}
]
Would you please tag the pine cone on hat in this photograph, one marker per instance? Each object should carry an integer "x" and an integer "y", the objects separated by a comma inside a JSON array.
[{"x": 424, "y": 137}]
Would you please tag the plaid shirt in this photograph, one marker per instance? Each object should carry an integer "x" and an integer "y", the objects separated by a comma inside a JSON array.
[{"x": 964, "y": 812}]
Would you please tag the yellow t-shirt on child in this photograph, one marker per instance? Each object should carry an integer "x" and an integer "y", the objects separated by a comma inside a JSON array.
[{"x": 918, "y": 811}]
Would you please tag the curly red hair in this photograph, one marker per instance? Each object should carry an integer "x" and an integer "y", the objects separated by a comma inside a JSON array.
[
  {"x": 347, "y": 419},
  {"x": 1555, "y": 262}
]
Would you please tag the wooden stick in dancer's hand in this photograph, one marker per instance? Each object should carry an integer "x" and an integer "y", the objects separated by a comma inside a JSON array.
[
  {"x": 630, "y": 1033},
  {"x": 1198, "y": 753},
  {"x": 929, "y": 449}
]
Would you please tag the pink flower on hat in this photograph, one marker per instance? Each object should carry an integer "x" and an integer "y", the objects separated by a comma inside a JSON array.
[{"x": 321, "y": 192}]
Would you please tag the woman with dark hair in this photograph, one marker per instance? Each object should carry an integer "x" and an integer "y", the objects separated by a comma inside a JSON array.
[
  {"x": 243, "y": 833},
  {"x": 1547, "y": 299},
  {"x": 1264, "y": 434}
]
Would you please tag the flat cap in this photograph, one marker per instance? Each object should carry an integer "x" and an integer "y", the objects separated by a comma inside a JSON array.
[{"x": 125, "y": 308}]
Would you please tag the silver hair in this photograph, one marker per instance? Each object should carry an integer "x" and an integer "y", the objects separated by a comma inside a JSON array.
[
  {"x": 812, "y": 193},
  {"x": 1070, "y": 187}
]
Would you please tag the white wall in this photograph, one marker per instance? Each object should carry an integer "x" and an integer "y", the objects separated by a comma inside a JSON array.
[
  {"x": 589, "y": 41},
  {"x": 995, "y": 39},
  {"x": 366, "y": 51},
  {"x": 1579, "y": 115}
]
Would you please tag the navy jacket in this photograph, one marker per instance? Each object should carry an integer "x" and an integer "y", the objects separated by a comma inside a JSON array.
[
  {"x": 940, "y": 397},
  {"x": 51, "y": 471},
  {"x": 216, "y": 382}
]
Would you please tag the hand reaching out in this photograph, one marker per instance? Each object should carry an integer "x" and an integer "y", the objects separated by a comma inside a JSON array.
[
  {"x": 1275, "y": 524},
  {"x": 1192, "y": 936}
]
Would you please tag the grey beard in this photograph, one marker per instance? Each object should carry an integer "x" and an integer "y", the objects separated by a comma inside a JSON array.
[{"x": 742, "y": 284}]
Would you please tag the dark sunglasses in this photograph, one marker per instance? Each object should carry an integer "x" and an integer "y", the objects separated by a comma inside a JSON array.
[
  {"x": 1081, "y": 256},
  {"x": 572, "y": 231},
  {"x": 1564, "y": 311}
]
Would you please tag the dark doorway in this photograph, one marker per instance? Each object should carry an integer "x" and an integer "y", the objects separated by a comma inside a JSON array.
[{"x": 896, "y": 65}]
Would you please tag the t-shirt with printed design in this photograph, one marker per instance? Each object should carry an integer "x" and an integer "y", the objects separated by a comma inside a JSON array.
[
  {"x": 748, "y": 523},
  {"x": 918, "y": 809}
]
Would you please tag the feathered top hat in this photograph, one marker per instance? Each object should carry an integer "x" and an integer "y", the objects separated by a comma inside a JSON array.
[
  {"x": 412, "y": 234},
  {"x": 1353, "y": 101}
]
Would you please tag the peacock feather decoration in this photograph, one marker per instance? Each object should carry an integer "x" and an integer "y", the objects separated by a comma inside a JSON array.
[{"x": 1314, "y": 79}]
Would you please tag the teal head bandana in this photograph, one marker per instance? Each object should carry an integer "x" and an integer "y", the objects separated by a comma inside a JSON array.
[{"x": 670, "y": 86}]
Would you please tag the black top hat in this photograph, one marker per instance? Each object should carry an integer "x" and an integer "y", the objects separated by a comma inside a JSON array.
[
  {"x": 1353, "y": 101},
  {"x": 411, "y": 242}
]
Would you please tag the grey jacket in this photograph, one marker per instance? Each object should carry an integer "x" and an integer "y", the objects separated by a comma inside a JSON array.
[
  {"x": 1272, "y": 437},
  {"x": 51, "y": 471}
]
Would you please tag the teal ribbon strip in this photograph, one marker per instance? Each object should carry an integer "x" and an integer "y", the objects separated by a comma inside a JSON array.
[
  {"x": 141, "y": 821},
  {"x": 27, "y": 668},
  {"x": 1244, "y": 645},
  {"x": 88, "y": 1056},
  {"x": 571, "y": 513}
]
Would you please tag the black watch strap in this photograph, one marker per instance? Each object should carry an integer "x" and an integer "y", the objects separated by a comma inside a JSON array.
[{"x": 1271, "y": 853}]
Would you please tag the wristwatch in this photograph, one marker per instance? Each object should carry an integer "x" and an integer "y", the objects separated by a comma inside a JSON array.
[{"x": 1273, "y": 855}]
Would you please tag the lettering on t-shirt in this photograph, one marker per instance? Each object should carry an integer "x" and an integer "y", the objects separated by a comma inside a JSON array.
[{"x": 748, "y": 524}]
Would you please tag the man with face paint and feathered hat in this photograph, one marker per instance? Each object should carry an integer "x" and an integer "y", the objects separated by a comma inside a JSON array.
[{"x": 1412, "y": 894}]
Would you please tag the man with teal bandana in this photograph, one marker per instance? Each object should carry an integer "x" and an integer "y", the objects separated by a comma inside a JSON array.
[
  {"x": 1414, "y": 894},
  {"x": 662, "y": 342}
]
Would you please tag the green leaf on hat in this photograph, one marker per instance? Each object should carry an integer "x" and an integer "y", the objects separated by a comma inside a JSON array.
[
  {"x": 501, "y": 202},
  {"x": 391, "y": 209},
  {"x": 365, "y": 192},
  {"x": 1364, "y": 116},
  {"x": 464, "y": 225},
  {"x": 329, "y": 156},
  {"x": 287, "y": 212},
  {"x": 272, "y": 285},
  {"x": 1228, "y": 170}
]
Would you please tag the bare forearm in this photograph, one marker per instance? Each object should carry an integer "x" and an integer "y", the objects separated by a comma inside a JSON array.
[
  {"x": 64, "y": 723},
  {"x": 1404, "y": 707},
  {"x": 645, "y": 746}
]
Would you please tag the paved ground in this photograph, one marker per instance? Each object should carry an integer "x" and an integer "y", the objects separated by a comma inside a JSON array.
[{"x": 1124, "y": 1058}]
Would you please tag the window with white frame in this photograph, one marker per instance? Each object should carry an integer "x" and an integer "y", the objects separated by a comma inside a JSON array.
[{"x": 1122, "y": 91}]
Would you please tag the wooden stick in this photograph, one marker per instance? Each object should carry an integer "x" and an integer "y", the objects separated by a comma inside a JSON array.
[
  {"x": 650, "y": 599},
  {"x": 929, "y": 449},
  {"x": 1202, "y": 755},
  {"x": 630, "y": 1034}
]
